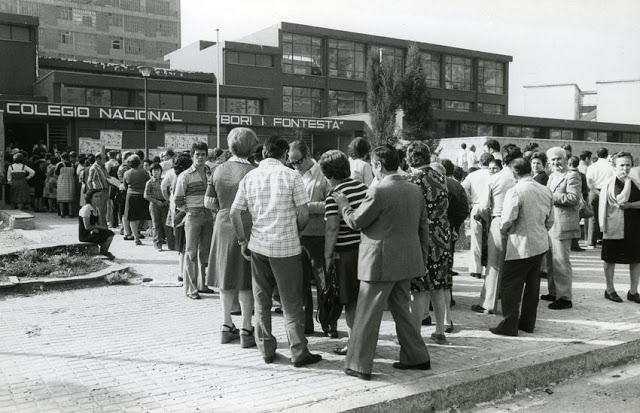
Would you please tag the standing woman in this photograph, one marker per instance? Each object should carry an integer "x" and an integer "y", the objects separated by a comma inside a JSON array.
[
  {"x": 361, "y": 170},
  {"x": 51, "y": 184},
  {"x": 175, "y": 220},
  {"x": 83, "y": 173},
  {"x": 227, "y": 268},
  {"x": 65, "y": 172},
  {"x": 136, "y": 207},
  {"x": 619, "y": 216},
  {"x": 17, "y": 176},
  {"x": 38, "y": 185},
  {"x": 435, "y": 285}
]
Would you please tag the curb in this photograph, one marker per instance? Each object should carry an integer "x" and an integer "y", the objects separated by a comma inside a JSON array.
[
  {"x": 52, "y": 248},
  {"x": 466, "y": 388},
  {"x": 112, "y": 268}
]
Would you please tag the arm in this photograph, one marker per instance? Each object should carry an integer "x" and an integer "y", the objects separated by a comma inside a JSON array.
[
  {"x": 90, "y": 178},
  {"x": 30, "y": 172},
  {"x": 302, "y": 216},
  {"x": 331, "y": 230},
  {"x": 180, "y": 193},
  {"x": 301, "y": 202},
  {"x": 238, "y": 227},
  {"x": 366, "y": 213},
  {"x": 9, "y": 170},
  {"x": 510, "y": 210},
  {"x": 211, "y": 196},
  {"x": 165, "y": 185},
  {"x": 147, "y": 194},
  {"x": 572, "y": 195},
  {"x": 58, "y": 168}
]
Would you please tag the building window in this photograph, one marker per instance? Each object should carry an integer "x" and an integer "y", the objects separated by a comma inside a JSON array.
[
  {"x": 133, "y": 46},
  {"x": 130, "y": 5},
  {"x": 390, "y": 56},
  {"x": 596, "y": 136},
  {"x": 73, "y": 95},
  {"x": 84, "y": 17},
  {"x": 301, "y": 55},
  {"x": 435, "y": 103},
  {"x": 29, "y": 8},
  {"x": 563, "y": 134},
  {"x": 491, "y": 108},
  {"x": 491, "y": 77},
  {"x": 513, "y": 131},
  {"x": 431, "y": 64},
  {"x": 249, "y": 59},
  {"x": 346, "y": 59},
  {"x": 98, "y": 97},
  {"x": 134, "y": 24},
  {"x": 158, "y": 7},
  {"x": 116, "y": 44},
  {"x": 189, "y": 102},
  {"x": 17, "y": 33},
  {"x": 476, "y": 129},
  {"x": 85, "y": 42},
  {"x": 457, "y": 72},
  {"x": 116, "y": 20},
  {"x": 235, "y": 105},
  {"x": 486, "y": 130},
  {"x": 346, "y": 103},
  {"x": 64, "y": 13},
  {"x": 168, "y": 29},
  {"x": 457, "y": 105},
  {"x": 66, "y": 38},
  {"x": 119, "y": 98},
  {"x": 301, "y": 101},
  {"x": 531, "y": 132}
]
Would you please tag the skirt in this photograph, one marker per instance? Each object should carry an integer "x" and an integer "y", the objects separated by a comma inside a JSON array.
[
  {"x": 347, "y": 272},
  {"x": 227, "y": 268},
  {"x": 136, "y": 208},
  {"x": 20, "y": 191},
  {"x": 180, "y": 240},
  {"x": 66, "y": 185},
  {"x": 620, "y": 251}
]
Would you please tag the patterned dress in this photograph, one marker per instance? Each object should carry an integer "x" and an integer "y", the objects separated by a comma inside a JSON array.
[{"x": 434, "y": 189}]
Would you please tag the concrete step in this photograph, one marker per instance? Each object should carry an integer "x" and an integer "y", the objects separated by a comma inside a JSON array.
[{"x": 17, "y": 219}]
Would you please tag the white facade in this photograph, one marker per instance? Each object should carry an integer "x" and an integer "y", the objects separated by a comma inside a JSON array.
[
  {"x": 619, "y": 101},
  {"x": 200, "y": 56},
  {"x": 552, "y": 101}
]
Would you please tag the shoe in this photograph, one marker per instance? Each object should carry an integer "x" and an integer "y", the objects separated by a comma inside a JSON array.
[
  {"x": 633, "y": 297},
  {"x": 427, "y": 321},
  {"x": 180, "y": 279},
  {"x": 577, "y": 249},
  {"x": 449, "y": 328},
  {"x": 454, "y": 273},
  {"x": 229, "y": 333},
  {"x": 207, "y": 290},
  {"x": 544, "y": 275},
  {"x": 440, "y": 339},
  {"x": 129, "y": 238},
  {"x": 475, "y": 275},
  {"x": 526, "y": 330},
  {"x": 613, "y": 296},
  {"x": 194, "y": 296},
  {"x": 353, "y": 373},
  {"x": 422, "y": 366},
  {"x": 141, "y": 236},
  {"x": 497, "y": 331},
  {"x": 157, "y": 246},
  {"x": 548, "y": 297},
  {"x": 269, "y": 359},
  {"x": 478, "y": 308},
  {"x": 238, "y": 312},
  {"x": 341, "y": 351},
  {"x": 453, "y": 302},
  {"x": 332, "y": 334},
  {"x": 561, "y": 304},
  {"x": 138, "y": 242},
  {"x": 109, "y": 256},
  {"x": 308, "y": 331},
  {"x": 310, "y": 359},
  {"x": 247, "y": 340},
  {"x": 147, "y": 279}
]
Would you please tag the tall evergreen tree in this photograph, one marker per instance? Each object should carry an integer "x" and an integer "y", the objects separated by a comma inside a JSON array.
[
  {"x": 383, "y": 88},
  {"x": 415, "y": 99}
]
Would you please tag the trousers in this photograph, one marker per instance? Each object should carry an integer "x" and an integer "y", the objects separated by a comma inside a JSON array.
[
  {"x": 495, "y": 259},
  {"x": 475, "y": 229},
  {"x": 560, "y": 273},
  {"x": 198, "y": 230}
]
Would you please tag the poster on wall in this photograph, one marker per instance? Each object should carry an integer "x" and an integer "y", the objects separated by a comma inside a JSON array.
[
  {"x": 182, "y": 141},
  {"x": 89, "y": 146},
  {"x": 153, "y": 152},
  {"x": 111, "y": 139}
]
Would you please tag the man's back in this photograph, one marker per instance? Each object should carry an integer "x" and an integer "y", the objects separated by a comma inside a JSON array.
[
  {"x": 499, "y": 184},
  {"x": 476, "y": 184}
]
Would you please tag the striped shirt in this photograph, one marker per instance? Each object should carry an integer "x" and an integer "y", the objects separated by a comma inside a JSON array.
[
  {"x": 190, "y": 188},
  {"x": 152, "y": 190},
  {"x": 97, "y": 178},
  {"x": 355, "y": 192}
]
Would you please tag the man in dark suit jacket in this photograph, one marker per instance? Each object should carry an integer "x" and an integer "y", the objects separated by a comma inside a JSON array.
[{"x": 393, "y": 250}]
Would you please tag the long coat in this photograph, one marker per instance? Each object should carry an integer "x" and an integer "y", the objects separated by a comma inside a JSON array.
[{"x": 567, "y": 190}]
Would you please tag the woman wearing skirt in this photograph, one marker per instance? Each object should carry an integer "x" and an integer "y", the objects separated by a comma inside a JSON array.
[{"x": 136, "y": 208}]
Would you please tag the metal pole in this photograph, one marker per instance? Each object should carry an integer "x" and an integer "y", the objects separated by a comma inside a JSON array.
[
  {"x": 146, "y": 120},
  {"x": 218, "y": 88}
]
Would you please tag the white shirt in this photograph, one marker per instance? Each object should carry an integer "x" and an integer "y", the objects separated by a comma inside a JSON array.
[
  {"x": 361, "y": 171},
  {"x": 598, "y": 173},
  {"x": 472, "y": 160},
  {"x": 19, "y": 167},
  {"x": 461, "y": 159},
  {"x": 476, "y": 184}
]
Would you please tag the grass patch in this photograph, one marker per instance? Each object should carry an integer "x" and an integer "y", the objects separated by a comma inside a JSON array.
[{"x": 37, "y": 264}]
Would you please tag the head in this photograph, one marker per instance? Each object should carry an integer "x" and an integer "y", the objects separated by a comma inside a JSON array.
[
  {"x": 169, "y": 154},
  {"x": 449, "y": 167},
  {"x": 485, "y": 159},
  {"x": 65, "y": 157},
  {"x": 495, "y": 166},
  {"x": 623, "y": 161},
  {"x": 133, "y": 161},
  {"x": 573, "y": 163},
  {"x": 156, "y": 159},
  {"x": 140, "y": 154},
  {"x": 509, "y": 153},
  {"x": 463, "y": 146},
  {"x": 88, "y": 197},
  {"x": 568, "y": 150},
  {"x": 472, "y": 148},
  {"x": 241, "y": 142},
  {"x": 257, "y": 153},
  {"x": 91, "y": 159},
  {"x": 113, "y": 155},
  {"x": 276, "y": 148},
  {"x": 491, "y": 146},
  {"x": 538, "y": 162},
  {"x": 530, "y": 147},
  {"x": 418, "y": 154},
  {"x": 300, "y": 156},
  {"x": 335, "y": 165},
  {"x": 156, "y": 170},
  {"x": 99, "y": 158},
  {"x": 384, "y": 161},
  {"x": 585, "y": 157},
  {"x": 146, "y": 164},
  {"x": 126, "y": 156},
  {"x": 199, "y": 152},
  {"x": 557, "y": 159},
  {"x": 521, "y": 168},
  {"x": 18, "y": 158},
  {"x": 602, "y": 153},
  {"x": 182, "y": 163},
  {"x": 359, "y": 148},
  {"x": 73, "y": 156}
]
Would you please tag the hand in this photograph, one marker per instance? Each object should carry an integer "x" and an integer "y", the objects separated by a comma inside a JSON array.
[
  {"x": 244, "y": 250},
  {"x": 328, "y": 262},
  {"x": 477, "y": 217},
  {"x": 625, "y": 205},
  {"x": 341, "y": 199}
]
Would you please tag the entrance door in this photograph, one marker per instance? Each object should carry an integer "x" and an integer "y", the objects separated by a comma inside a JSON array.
[{"x": 24, "y": 134}]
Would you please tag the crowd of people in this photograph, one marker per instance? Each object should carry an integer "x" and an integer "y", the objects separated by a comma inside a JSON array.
[{"x": 263, "y": 223}]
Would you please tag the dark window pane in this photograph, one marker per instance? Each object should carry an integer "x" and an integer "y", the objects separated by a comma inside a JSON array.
[
  {"x": 73, "y": 95},
  {"x": 491, "y": 77},
  {"x": 247, "y": 59},
  {"x": 458, "y": 73},
  {"x": 236, "y": 105},
  {"x": 99, "y": 97},
  {"x": 119, "y": 98},
  {"x": 301, "y": 54},
  {"x": 264, "y": 60},
  {"x": 253, "y": 106},
  {"x": 232, "y": 57},
  {"x": 20, "y": 33},
  {"x": 189, "y": 102},
  {"x": 5, "y": 32},
  {"x": 431, "y": 63}
]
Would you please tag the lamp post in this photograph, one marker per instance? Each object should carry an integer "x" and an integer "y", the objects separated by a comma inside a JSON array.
[
  {"x": 146, "y": 71},
  {"x": 218, "y": 88}
]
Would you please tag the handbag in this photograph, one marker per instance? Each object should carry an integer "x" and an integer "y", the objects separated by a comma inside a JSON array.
[
  {"x": 329, "y": 307},
  {"x": 585, "y": 209}
]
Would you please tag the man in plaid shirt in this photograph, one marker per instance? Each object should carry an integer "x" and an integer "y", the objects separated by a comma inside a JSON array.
[{"x": 275, "y": 197}]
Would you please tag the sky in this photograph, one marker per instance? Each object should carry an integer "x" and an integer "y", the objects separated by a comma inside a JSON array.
[{"x": 551, "y": 41}]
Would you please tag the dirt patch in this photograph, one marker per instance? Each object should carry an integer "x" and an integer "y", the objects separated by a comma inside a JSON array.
[{"x": 35, "y": 264}]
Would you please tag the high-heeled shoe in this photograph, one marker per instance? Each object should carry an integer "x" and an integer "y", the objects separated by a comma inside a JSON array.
[
  {"x": 229, "y": 333},
  {"x": 449, "y": 328},
  {"x": 247, "y": 340}
]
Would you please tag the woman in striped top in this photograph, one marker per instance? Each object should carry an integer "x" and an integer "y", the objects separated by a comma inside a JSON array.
[{"x": 341, "y": 242}]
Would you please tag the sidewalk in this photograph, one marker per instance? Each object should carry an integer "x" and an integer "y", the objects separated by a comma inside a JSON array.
[{"x": 135, "y": 348}]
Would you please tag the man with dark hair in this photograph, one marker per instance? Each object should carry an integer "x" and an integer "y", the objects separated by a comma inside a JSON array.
[
  {"x": 462, "y": 158},
  {"x": 568, "y": 150},
  {"x": 475, "y": 185},
  {"x": 97, "y": 180},
  {"x": 394, "y": 224},
  {"x": 190, "y": 190},
  {"x": 491, "y": 208},
  {"x": 526, "y": 217},
  {"x": 275, "y": 197},
  {"x": 585, "y": 161},
  {"x": 492, "y": 146},
  {"x": 597, "y": 174}
]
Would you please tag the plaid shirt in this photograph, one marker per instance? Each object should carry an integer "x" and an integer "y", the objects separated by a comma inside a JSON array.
[
  {"x": 190, "y": 189},
  {"x": 152, "y": 190},
  {"x": 271, "y": 193}
]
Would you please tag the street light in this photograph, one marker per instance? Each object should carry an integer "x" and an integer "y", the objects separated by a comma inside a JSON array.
[{"x": 145, "y": 71}]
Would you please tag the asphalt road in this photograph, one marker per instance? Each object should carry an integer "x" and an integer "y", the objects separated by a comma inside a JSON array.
[{"x": 610, "y": 390}]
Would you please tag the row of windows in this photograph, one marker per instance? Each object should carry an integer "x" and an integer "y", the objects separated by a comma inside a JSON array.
[
  {"x": 18, "y": 33},
  {"x": 249, "y": 59},
  {"x": 301, "y": 101},
  {"x": 479, "y": 129},
  {"x": 462, "y": 106},
  {"x": 346, "y": 59},
  {"x": 346, "y": 103}
]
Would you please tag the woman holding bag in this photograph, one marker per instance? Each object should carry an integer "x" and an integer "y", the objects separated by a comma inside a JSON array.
[{"x": 619, "y": 218}]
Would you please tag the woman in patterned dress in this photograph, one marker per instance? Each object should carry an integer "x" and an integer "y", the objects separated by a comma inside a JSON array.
[
  {"x": 434, "y": 285},
  {"x": 51, "y": 185},
  {"x": 65, "y": 171}
]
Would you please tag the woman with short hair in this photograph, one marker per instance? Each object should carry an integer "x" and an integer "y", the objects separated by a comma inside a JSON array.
[
  {"x": 88, "y": 228},
  {"x": 65, "y": 171},
  {"x": 136, "y": 207},
  {"x": 538, "y": 168},
  {"x": 228, "y": 269},
  {"x": 17, "y": 176},
  {"x": 361, "y": 171},
  {"x": 619, "y": 216}
]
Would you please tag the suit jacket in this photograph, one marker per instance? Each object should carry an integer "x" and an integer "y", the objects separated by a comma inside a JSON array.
[
  {"x": 526, "y": 217},
  {"x": 566, "y": 188},
  {"x": 395, "y": 231}
]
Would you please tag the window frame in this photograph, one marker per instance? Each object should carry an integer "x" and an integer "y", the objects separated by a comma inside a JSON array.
[{"x": 450, "y": 69}]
